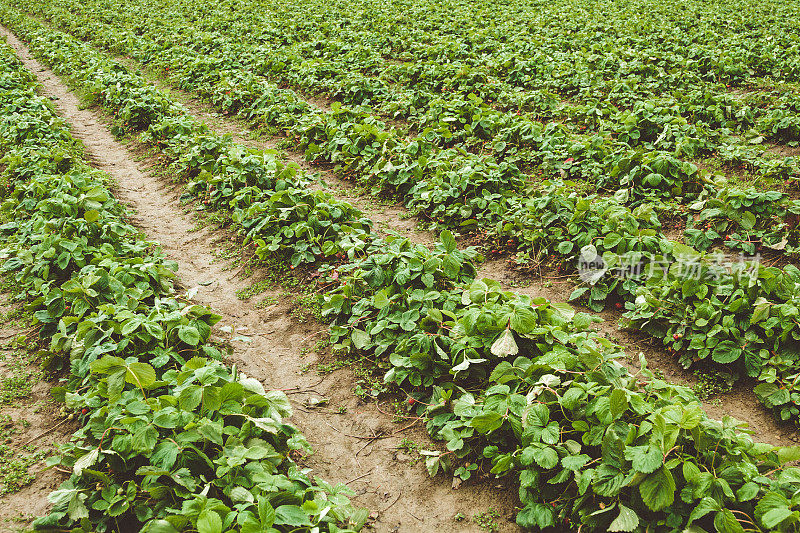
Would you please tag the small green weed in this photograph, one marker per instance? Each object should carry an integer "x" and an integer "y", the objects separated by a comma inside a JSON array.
[
  {"x": 710, "y": 384},
  {"x": 487, "y": 520}
]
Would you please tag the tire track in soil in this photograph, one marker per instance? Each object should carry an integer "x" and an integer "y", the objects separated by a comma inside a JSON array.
[
  {"x": 739, "y": 403},
  {"x": 390, "y": 483}
]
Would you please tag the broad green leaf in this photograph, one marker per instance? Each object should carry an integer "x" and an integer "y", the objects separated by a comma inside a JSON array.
[
  {"x": 266, "y": 514},
  {"x": 545, "y": 457},
  {"x": 291, "y": 515},
  {"x": 773, "y": 517},
  {"x": 658, "y": 489},
  {"x": 627, "y": 520},
  {"x": 209, "y": 522},
  {"x": 726, "y": 352},
  {"x": 189, "y": 334},
  {"x": 380, "y": 300},
  {"x": 487, "y": 422},
  {"x": 85, "y": 461},
  {"x": 618, "y": 402},
  {"x": 563, "y": 309},
  {"x": 449, "y": 241},
  {"x": 536, "y": 515},
  {"x": 726, "y": 522},
  {"x": 645, "y": 459},
  {"x": 360, "y": 338},
  {"x": 141, "y": 374}
]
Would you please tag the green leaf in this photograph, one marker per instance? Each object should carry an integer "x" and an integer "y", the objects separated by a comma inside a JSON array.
[
  {"x": 627, "y": 520},
  {"x": 747, "y": 492},
  {"x": 726, "y": 352},
  {"x": 448, "y": 241},
  {"x": 523, "y": 320},
  {"x": 574, "y": 462},
  {"x": 658, "y": 489},
  {"x": 773, "y": 517},
  {"x": 92, "y": 215},
  {"x": 241, "y": 494},
  {"x": 211, "y": 431},
  {"x": 563, "y": 309},
  {"x": 141, "y": 374},
  {"x": 577, "y": 293},
  {"x": 76, "y": 509},
  {"x": 748, "y": 220},
  {"x": 536, "y": 515},
  {"x": 380, "y": 300},
  {"x": 487, "y": 422},
  {"x": 85, "y": 461},
  {"x": 266, "y": 514},
  {"x": 360, "y": 338},
  {"x": 788, "y": 454},
  {"x": 189, "y": 334},
  {"x": 725, "y": 522},
  {"x": 771, "y": 394},
  {"x": 291, "y": 515},
  {"x": 209, "y": 522},
  {"x": 645, "y": 459},
  {"x": 703, "y": 507},
  {"x": 545, "y": 457},
  {"x": 565, "y": 247},
  {"x": 144, "y": 439},
  {"x": 760, "y": 312},
  {"x": 618, "y": 403}
]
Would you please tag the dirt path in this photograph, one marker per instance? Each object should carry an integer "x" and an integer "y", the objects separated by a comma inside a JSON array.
[
  {"x": 30, "y": 424},
  {"x": 387, "y": 480}
]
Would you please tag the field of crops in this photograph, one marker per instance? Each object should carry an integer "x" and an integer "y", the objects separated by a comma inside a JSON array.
[{"x": 644, "y": 153}]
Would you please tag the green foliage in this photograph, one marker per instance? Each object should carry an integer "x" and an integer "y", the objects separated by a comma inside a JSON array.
[
  {"x": 516, "y": 385},
  {"x": 745, "y": 220}
]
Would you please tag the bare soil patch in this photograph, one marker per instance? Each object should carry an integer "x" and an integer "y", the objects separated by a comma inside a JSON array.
[{"x": 30, "y": 423}]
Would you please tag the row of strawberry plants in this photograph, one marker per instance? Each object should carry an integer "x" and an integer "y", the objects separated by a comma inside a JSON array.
[
  {"x": 170, "y": 438},
  {"x": 558, "y": 220},
  {"x": 515, "y": 383},
  {"x": 652, "y": 123}
]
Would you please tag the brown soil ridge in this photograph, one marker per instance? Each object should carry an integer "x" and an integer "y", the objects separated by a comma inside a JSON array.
[{"x": 392, "y": 484}]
